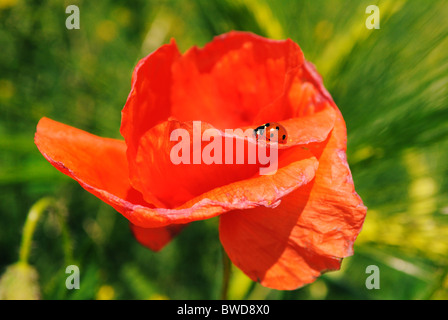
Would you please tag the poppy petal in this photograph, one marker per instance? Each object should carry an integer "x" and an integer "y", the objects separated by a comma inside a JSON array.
[
  {"x": 261, "y": 242},
  {"x": 100, "y": 167},
  {"x": 234, "y": 76},
  {"x": 301, "y": 97},
  {"x": 99, "y": 164},
  {"x": 311, "y": 128},
  {"x": 312, "y": 229},
  {"x": 156, "y": 238},
  {"x": 148, "y": 102}
]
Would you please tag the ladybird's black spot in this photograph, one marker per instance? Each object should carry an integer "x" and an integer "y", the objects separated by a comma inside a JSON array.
[
  {"x": 259, "y": 131},
  {"x": 267, "y": 124},
  {"x": 277, "y": 127},
  {"x": 284, "y": 136}
]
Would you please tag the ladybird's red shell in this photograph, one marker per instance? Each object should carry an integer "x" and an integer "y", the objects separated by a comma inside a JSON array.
[{"x": 272, "y": 132}]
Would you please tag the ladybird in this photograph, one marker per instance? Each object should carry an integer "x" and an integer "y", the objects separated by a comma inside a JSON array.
[{"x": 271, "y": 130}]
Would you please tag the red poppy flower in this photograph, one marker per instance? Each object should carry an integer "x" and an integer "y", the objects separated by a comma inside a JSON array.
[{"x": 282, "y": 229}]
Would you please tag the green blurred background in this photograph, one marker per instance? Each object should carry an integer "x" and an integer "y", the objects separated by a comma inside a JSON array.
[{"x": 391, "y": 85}]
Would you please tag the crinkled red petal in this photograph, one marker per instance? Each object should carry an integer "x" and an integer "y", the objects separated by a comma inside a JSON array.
[
  {"x": 100, "y": 167},
  {"x": 311, "y": 230}
]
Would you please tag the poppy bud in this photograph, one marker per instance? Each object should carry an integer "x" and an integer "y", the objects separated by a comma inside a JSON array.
[{"x": 19, "y": 282}]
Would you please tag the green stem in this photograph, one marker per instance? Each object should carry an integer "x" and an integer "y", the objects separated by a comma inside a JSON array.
[
  {"x": 30, "y": 225},
  {"x": 67, "y": 244},
  {"x": 226, "y": 263}
]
